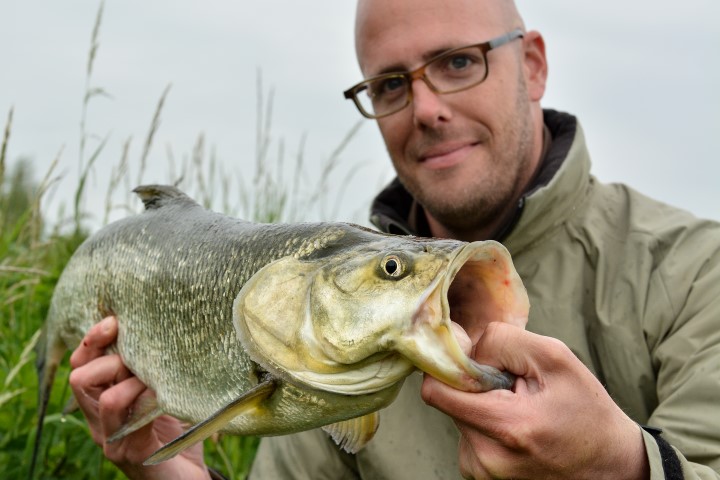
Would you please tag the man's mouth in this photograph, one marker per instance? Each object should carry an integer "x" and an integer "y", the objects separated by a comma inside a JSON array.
[{"x": 446, "y": 156}]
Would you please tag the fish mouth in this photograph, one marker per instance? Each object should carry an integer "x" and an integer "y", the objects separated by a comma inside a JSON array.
[{"x": 479, "y": 286}]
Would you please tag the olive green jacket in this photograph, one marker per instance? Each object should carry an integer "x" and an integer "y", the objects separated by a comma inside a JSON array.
[{"x": 631, "y": 285}]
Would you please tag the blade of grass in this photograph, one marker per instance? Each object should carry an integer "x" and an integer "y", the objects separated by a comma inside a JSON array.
[
  {"x": 81, "y": 184},
  {"x": 116, "y": 176},
  {"x": 3, "y": 148},
  {"x": 154, "y": 125},
  {"x": 94, "y": 45},
  {"x": 25, "y": 357}
]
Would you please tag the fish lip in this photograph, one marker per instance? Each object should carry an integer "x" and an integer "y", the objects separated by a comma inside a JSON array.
[
  {"x": 443, "y": 280},
  {"x": 448, "y": 362}
]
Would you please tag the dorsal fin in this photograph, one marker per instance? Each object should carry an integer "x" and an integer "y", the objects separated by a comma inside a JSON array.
[{"x": 155, "y": 196}]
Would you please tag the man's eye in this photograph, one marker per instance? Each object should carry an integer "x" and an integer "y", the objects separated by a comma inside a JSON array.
[
  {"x": 393, "y": 84},
  {"x": 388, "y": 87},
  {"x": 459, "y": 62}
]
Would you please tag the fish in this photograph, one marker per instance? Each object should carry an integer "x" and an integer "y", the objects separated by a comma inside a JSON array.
[{"x": 269, "y": 329}]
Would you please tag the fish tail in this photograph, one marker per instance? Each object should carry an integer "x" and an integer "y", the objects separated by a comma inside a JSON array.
[{"x": 49, "y": 352}]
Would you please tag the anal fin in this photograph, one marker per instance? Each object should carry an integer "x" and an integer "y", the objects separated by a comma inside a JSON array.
[
  {"x": 352, "y": 435},
  {"x": 246, "y": 402}
]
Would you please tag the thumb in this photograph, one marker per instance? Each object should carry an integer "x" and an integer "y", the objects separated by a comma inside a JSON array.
[
  {"x": 507, "y": 348},
  {"x": 513, "y": 349}
]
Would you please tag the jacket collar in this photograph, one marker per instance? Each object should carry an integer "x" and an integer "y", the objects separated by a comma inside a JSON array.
[
  {"x": 553, "y": 194},
  {"x": 561, "y": 186}
]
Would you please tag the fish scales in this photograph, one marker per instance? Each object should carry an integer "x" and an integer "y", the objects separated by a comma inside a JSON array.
[
  {"x": 270, "y": 329},
  {"x": 177, "y": 269}
]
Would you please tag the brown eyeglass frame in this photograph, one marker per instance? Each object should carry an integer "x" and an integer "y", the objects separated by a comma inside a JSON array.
[{"x": 419, "y": 73}]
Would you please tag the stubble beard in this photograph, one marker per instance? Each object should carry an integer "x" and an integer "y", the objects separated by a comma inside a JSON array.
[{"x": 481, "y": 201}]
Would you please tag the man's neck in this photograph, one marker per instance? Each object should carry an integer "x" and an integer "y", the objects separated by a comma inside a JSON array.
[{"x": 480, "y": 232}]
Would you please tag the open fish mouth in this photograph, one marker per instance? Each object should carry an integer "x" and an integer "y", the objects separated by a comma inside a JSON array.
[{"x": 480, "y": 286}]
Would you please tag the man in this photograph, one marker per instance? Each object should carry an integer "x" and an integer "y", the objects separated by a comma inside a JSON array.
[{"x": 625, "y": 311}]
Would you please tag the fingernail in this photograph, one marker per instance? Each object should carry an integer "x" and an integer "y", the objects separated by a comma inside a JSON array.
[{"x": 106, "y": 325}]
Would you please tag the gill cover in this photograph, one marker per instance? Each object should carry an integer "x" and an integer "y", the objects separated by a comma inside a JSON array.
[{"x": 275, "y": 321}]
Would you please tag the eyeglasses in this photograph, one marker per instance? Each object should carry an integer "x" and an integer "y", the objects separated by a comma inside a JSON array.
[{"x": 452, "y": 71}]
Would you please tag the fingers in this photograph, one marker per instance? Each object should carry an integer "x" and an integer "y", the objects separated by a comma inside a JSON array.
[
  {"x": 520, "y": 352},
  {"x": 106, "y": 392},
  {"x": 547, "y": 425},
  {"x": 508, "y": 348},
  {"x": 462, "y": 337},
  {"x": 100, "y": 373},
  {"x": 115, "y": 403},
  {"x": 103, "y": 386},
  {"x": 96, "y": 341},
  {"x": 90, "y": 380},
  {"x": 101, "y": 379},
  {"x": 470, "y": 464},
  {"x": 466, "y": 406}
]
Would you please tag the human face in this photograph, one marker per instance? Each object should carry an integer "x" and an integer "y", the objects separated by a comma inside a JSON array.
[{"x": 465, "y": 156}]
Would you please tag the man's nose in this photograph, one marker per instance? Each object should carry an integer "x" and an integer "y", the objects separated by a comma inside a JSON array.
[{"x": 429, "y": 109}]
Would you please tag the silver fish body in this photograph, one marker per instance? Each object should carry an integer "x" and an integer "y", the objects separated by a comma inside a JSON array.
[
  {"x": 211, "y": 307},
  {"x": 171, "y": 275}
]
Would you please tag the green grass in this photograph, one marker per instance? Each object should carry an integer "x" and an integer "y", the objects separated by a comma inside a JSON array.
[
  {"x": 29, "y": 269},
  {"x": 33, "y": 252},
  {"x": 30, "y": 264}
]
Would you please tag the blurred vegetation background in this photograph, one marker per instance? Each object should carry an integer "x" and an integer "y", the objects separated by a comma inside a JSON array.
[{"x": 35, "y": 246}]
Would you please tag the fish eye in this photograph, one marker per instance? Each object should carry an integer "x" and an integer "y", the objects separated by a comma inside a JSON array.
[{"x": 392, "y": 266}]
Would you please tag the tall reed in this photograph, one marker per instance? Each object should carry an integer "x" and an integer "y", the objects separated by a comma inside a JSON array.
[{"x": 33, "y": 252}]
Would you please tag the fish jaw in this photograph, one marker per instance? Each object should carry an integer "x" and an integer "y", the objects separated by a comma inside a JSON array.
[
  {"x": 432, "y": 347},
  {"x": 489, "y": 289}
]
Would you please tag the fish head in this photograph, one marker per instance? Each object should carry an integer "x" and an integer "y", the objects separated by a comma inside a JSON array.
[
  {"x": 359, "y": 319},
  {"x": 362, "y": 304}
]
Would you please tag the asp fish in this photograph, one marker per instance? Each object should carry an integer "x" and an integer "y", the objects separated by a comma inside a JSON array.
[{"x": 269, "y": 329}]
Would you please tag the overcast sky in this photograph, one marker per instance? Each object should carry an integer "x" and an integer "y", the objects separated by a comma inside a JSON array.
[{"x": 643, "y": 77}]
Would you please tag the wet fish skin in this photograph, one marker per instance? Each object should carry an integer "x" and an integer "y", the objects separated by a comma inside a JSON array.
[{"x": 171, "y": 275}]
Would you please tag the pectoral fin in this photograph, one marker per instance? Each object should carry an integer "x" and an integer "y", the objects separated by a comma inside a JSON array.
[
  {"x": 203, "y": 430},
  {"x": 352, "y": 435}
]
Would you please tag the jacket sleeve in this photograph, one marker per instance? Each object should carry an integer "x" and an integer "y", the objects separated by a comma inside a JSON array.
[
  {"x": 660, "y": 470},
  {"x": 685, "y": 349},
  {"x": 302, "y": 456}
]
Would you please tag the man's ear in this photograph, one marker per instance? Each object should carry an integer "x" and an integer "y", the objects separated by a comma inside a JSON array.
[{"x": 535, "y": 64}]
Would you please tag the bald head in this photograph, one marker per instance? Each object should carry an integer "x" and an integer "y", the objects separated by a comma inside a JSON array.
[
  {"x": 473, "y": 20},
  {"x": 466, "y": 155}
]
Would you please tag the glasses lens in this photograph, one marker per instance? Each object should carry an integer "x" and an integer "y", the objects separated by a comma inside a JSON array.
[
  {"x": 383, "y": 95},
  {"x": 451, "y": 72},
  {"x": 457, "y": 70}
]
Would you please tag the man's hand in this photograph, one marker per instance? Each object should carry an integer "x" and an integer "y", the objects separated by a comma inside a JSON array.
[
  {"x": 557, "y": 422},
  {"x": 106, "y": 391}
]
